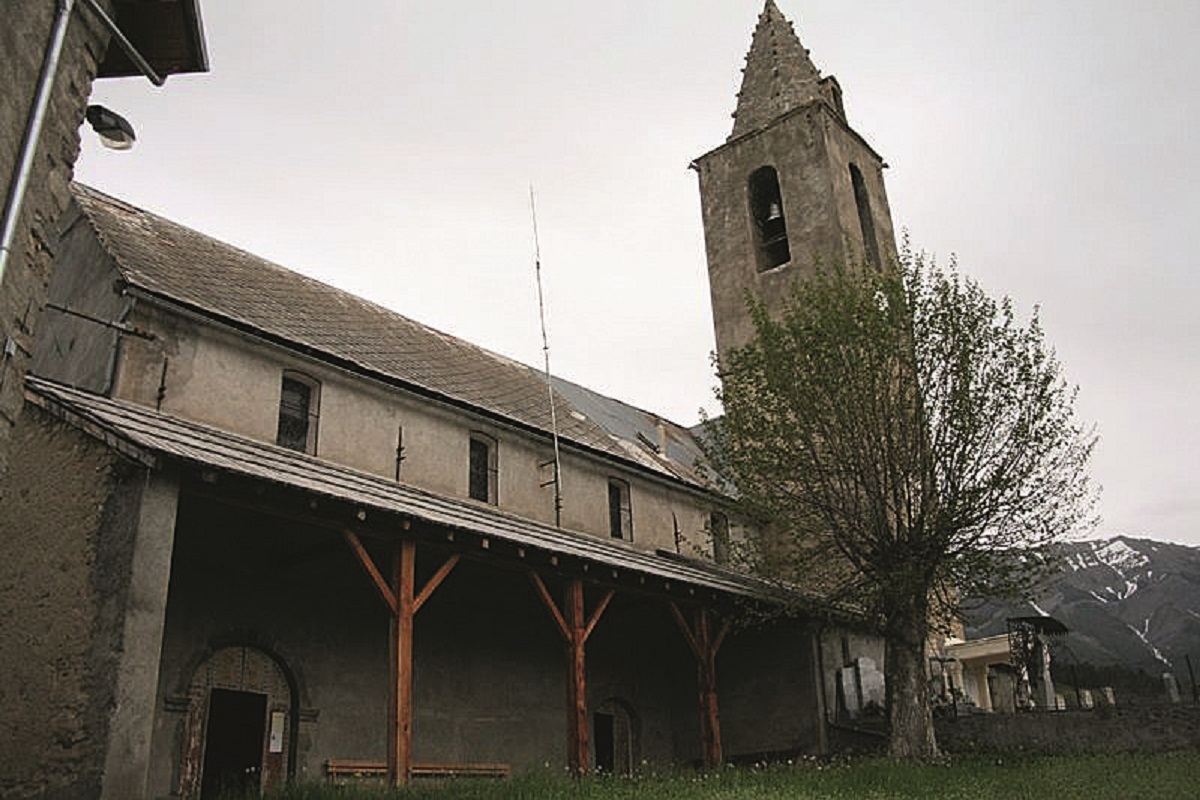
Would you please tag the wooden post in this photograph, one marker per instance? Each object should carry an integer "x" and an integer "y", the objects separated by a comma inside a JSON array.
[
  {"x": 575, "y": 627},
  {"x": 401, "y": 682},
  {"x": 403, "y": 601},
  {"x": 704, "y": 646},
  {"x": 577, "y": 732},
  {"x": 706, "y": 680}
]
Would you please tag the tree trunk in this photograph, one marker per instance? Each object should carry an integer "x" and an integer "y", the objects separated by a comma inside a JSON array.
[{"x": 910, "y": 721}]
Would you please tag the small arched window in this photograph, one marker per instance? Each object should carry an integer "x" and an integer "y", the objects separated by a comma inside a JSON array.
[
  {"x": 620, "y": 515},
  {"x": 766, "y": 209},
  {"x": 865, "y": 220},
  {"x": 299, "y": 410},
  {"x": 718, "y": 528},
  {"x": 482, "y": 468}
]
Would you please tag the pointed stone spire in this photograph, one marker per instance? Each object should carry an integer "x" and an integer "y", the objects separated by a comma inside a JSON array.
[{"x": 778, "y": 76}]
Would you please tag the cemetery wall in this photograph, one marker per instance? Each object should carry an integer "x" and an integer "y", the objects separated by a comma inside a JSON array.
[{"x": 1141, "y": 729}]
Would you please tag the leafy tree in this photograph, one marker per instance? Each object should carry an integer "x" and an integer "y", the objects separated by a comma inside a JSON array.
[{"x": 897, "y": 436}]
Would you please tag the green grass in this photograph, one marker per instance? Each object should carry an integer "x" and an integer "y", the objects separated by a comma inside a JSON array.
[{"x": 1098, "y": 777}]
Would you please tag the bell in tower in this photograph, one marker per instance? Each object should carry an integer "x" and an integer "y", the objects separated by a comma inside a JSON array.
[{"x": 793, "y": 186}]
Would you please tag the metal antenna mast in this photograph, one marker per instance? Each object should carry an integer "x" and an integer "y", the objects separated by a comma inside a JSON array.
[{"x": 537, "y": 264}]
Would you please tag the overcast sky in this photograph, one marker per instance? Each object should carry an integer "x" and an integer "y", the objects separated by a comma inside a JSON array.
[{"x": 387, "y": 147}]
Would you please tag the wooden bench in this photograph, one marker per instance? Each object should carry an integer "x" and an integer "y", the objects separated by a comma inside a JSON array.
[{"x": 363, "y": 768}]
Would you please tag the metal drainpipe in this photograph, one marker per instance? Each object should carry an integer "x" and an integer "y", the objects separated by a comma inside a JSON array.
[{"x": 33, "y": 130}]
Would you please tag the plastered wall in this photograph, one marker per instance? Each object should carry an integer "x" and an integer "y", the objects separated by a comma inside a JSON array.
[
  {"x": 225, "y": 379},
  {"x": 66, "y": 544}
]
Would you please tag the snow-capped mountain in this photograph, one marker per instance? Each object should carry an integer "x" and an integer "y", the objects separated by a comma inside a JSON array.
[{"x": 1132, "y": 602}]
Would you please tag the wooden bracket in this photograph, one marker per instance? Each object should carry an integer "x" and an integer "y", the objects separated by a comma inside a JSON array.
[
  {"x": 693, "y": 638},
  {"x": 368, "y": 564},
  {"x": 381, "y": 584},
  {"x": 435, "y": 581}
]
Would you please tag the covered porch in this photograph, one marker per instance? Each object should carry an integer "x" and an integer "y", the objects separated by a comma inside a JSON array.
[{"x": 315, "y": 614}]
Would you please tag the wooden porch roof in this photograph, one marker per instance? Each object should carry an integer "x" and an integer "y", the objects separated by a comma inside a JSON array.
[{"x": 151, "y": 437}]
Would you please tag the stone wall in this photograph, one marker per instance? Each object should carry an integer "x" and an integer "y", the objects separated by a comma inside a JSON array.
[
  {"x": 24, "y": 36},
  {"x": 1102, "y": 730},
  {"x": 65, "y": 549}
]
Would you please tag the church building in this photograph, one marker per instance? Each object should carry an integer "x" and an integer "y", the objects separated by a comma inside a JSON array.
[{"x": 258, "y": 529}]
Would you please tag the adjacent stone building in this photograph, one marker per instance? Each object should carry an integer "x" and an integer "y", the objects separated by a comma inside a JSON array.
[
  {"x": 265, "y": 530},
  {"x": 168, "y": 34}
]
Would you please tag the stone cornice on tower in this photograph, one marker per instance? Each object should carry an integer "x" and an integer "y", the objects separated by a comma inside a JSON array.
[{"x": 778, "y": 77}]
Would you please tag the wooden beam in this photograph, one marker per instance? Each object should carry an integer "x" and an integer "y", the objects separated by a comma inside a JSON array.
[
  {"x": 577, "y": 728},
  {"x": 706, "y": 677},
  {"x": 435, "y": 581},
  {"x": 595, "y": 617},
  {"x": 720, "y": 638},
  {"x": 704, "y": 646},
  {"x": 575, "y": 626},
  {"x": 685, "y": 629},
  {"x": 550, "y": 605},
  {"x": 400, "y": 650},
  {"x": 403, "y": 602},
  {"x": 368, "y": 564}
]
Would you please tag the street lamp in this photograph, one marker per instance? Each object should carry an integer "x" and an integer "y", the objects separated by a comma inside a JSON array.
[
  {"x": 117, "y": 132},
  {"x": 114, "y": 131}
]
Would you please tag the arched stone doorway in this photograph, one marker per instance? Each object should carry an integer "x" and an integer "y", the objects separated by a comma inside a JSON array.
[
  {"x": 238, "y": 726},
  {"x": 614, "y": 737}
]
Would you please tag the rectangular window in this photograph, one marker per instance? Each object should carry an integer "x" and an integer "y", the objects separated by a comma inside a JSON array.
[
  {"x": 718, "y": 528},
  {"x": 299, "y": 400},
  {"x": 481, "y": 469},
  {"x": 620, "y": 516}
]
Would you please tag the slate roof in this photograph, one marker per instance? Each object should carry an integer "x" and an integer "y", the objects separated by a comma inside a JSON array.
[
  {"x": 142, "y": 433},
  {"x": 169, "y": 261}
]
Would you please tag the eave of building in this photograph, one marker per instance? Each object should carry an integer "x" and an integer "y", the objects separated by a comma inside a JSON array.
[
  {"x": 152, "y": 438},
  {"x": 818, "y": 104},
  {"x": 991, "y": 647},
  {"x": 168, "y": 33}
]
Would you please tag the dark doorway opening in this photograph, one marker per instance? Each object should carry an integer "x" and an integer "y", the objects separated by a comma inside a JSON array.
[
  {"x": 613, "y": 737},
  {"x": 233, "y": 744},
  {"x": 602, "y": 733}
]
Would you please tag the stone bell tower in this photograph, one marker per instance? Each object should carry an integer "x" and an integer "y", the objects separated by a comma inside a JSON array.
[{"x": 793, "y": 185}]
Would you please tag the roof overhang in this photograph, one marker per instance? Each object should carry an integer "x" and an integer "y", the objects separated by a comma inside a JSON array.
[
  {"x": 151, "y": 437},
  {"x": 168, "y": 33}
]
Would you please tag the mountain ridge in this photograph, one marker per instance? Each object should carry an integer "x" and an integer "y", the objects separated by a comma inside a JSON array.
[{"x": 1126, "y": 601}]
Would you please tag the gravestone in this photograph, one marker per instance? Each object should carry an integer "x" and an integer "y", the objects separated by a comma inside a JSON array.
[
  {"x": 1002, "y": 687},
  {"x": 848, "y": 683},
  {"x": 1172, "y": 687},
  {"x": 870, "y": 681}
]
